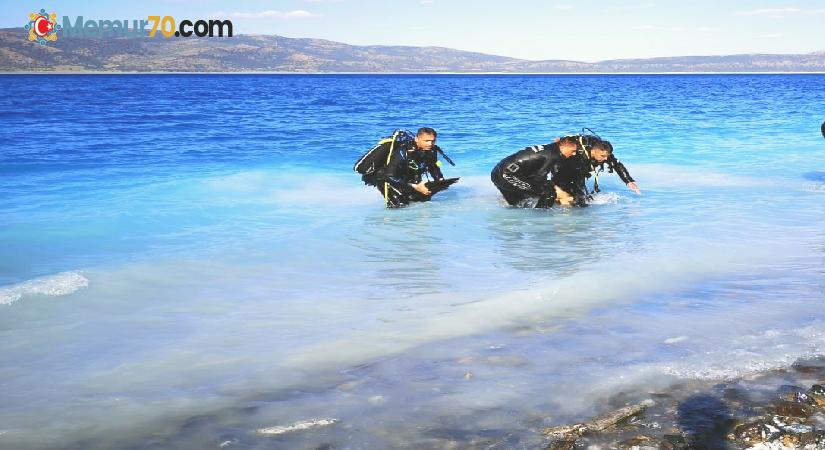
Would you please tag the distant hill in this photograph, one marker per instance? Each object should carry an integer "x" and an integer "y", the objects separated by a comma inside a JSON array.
[{"x": 280, "y": 54}]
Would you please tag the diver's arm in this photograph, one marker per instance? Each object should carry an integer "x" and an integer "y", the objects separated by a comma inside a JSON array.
[
  {"x": 616, "y": 165},
  {"x": 432, "y": 164},
  {"x": 395, "y": 174}
]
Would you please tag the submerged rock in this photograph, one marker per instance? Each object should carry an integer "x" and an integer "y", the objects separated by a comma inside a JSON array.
[
  {"x": 786, "y": 408},
  {"x": 566, "y": 443},
  {"x": 565, "y": 437},
  {"x": 738, "y": 415},
  {"x": 809, "y": 366},
  {"x": 615, "y": 418},
  {"x": 565, "y": 431},
  {"x": 755, "y": 432},
  {"x": 640, "y": 443},
  {"x": 299, "y": 426},
  {"x": 673, "y": 441},
  {"x": 801, "y": 397}
]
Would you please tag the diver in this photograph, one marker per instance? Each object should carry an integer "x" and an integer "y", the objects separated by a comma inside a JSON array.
[
  {"x": 595, "y": 153},
  {"x": 400, "y": 167},
  {"x": 522, "y": 177}
]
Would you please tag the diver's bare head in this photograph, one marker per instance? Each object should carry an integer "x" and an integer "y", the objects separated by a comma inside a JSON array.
[
  {"x": 425, "y": 138},
  {"x": 600, "y": 151}
]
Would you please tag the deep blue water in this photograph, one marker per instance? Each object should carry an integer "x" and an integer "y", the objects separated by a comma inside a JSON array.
[{"x": 179, "y": 246}]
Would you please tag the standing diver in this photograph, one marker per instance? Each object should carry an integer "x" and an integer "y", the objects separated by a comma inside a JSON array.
[
  {"x": 522, "y": 176},
  {"x": 398, "y": 165}
]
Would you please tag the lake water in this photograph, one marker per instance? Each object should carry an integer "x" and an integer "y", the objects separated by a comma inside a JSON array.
[{"x": 185, "y": 259}]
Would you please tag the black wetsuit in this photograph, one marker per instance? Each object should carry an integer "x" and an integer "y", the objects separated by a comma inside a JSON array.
[
  {"x": 523, "y": 175},
  {"x": 406, "y": 169},
  {"x": 576, "y": 170}
]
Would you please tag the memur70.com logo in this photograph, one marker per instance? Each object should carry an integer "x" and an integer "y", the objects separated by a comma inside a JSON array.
[{"x": 43, "y": 27}]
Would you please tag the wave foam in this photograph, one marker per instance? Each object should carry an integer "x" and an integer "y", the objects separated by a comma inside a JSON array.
[
  {"x": 605, "y": 198},
  {"x": 64, "y": 283}
]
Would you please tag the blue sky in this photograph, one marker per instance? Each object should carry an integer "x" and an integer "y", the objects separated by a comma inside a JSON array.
[{"x": 584, "y": 30}]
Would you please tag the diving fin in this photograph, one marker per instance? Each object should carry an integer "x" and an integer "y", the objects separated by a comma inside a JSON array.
[{"x": 440, "y": 185}]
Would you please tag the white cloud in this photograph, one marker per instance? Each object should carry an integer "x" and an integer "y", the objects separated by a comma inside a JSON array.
[
  {"x": 272, "y": 14},
  {"x": 770, "y": 12},
  {"x": 780, "y": 13},
  {"x": 770, "y": 36},
  {"x": 563, "y": 7}
]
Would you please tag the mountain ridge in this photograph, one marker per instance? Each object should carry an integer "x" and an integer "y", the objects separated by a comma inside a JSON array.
[{"x": 273, "y": 53}]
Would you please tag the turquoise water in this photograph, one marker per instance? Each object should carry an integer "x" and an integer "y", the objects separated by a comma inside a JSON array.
[{"x": 187, "y": 259}]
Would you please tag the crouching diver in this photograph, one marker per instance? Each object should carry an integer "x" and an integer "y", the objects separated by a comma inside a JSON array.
[
  {"x": 400, "y": 166},
  {"x": 595, "y": 154},
  {"x": 522, "y": 176}
]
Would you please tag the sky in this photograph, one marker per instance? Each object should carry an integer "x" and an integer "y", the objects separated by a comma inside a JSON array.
[{"x": 583, "y": 30}]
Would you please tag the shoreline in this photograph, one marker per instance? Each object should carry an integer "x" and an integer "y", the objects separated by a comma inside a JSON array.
[{"x": 99, "y": 72}]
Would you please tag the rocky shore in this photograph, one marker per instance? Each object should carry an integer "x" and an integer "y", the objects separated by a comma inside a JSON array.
[{"x": 783, "y": 409}]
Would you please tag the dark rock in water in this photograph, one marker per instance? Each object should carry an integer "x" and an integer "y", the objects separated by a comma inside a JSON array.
[
  {"x": 706, "y": 420},
  {"x": 810, "y": 365},
  {"x": 674, "y": 441},
  {"x": 799, "y": 435},
  {"x": 794, "y": 433},
  {"x": 736, "y": 394},
  {"x": 785, "y": 408},
  {"x": 817, "y": 389},
  {"x": 618, "y": 417},
  {"x": 661, "y": 395},
  {"x": 789, "y": 389},
  {"x": 565, "y": 432},
  {"x": 755, "y": 432},
  {"x": 644, "y": 443},
  {"x": 568, "y": 443},
  {"x": 801, "y": 397},
  {"x": 599, "y": 424}
]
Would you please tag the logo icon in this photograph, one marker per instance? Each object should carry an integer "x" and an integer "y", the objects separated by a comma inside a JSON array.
[{"x": 42, "y": 27}]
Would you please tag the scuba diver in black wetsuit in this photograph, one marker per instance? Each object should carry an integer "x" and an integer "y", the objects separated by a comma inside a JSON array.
[
  {"x": 823, "y": 129},
  {"x": 595, "y": 154},
  {"x": 397, "y": 167},
  {"x": 522, "y": 176}
]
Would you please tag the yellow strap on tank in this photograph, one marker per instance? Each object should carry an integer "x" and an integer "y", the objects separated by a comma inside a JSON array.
[
  {"x": 590, "y": 161},
  {"x": 389, "y": 155}
]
